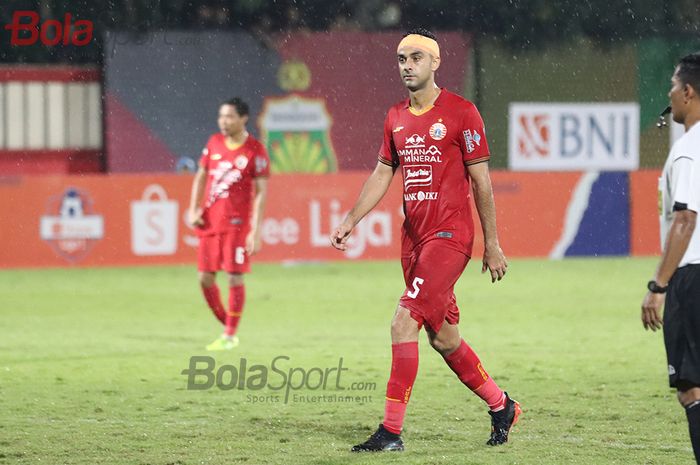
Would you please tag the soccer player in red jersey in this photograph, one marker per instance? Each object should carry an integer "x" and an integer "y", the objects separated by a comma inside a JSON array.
[
  {"x": 226, "y": 207},
  {"x": 436, "y": 140}
]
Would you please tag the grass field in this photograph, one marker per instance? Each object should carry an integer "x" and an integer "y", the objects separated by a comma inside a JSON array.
[{"x": 91, "y": 361}]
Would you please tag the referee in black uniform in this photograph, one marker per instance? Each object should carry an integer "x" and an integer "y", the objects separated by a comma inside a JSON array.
[{"x": 677, "y": 279}]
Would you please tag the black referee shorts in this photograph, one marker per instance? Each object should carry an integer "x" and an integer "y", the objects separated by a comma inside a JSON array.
[{"x": 682, "y": 328}]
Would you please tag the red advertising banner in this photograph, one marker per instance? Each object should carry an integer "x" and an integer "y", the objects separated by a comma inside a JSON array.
[
  {"x": 139, "y": 219},
  {"x": 645, "y": 234}
]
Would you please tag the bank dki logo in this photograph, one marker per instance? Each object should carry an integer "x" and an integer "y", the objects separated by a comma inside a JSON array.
[{"x": 70, "y": 226}]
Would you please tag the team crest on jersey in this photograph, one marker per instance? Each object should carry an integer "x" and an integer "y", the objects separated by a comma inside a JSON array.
[
  {"x": 70, "y": 226},
  {"x": 438, "y": 131},
  {"x": 471, "y": 138},
  {"x": 241, "y": 162}
]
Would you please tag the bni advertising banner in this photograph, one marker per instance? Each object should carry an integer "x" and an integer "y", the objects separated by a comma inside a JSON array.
[{"x": 573, "y": 136}]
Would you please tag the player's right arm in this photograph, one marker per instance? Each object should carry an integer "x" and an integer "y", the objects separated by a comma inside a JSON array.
[
  {"x": 199, "y": 183},
  {"x": 194, "y": 212},
  {"x": 372, "y": 192}
]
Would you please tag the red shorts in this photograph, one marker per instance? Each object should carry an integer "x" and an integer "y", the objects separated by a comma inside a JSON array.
[
  {"x": 431, "y": 271},
  {"x": 225, "y": 251}
]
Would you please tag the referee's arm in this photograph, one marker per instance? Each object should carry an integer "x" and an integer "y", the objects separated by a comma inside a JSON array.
[{"x": 676, "y": 244}]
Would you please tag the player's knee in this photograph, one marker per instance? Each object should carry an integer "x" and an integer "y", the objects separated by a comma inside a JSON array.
[
  {"x": 207, "y": 279},
  {"x": 403, "y": 326},
  {"x": 397, "y": 327},
  {"x": 235, "y": 279},
  {"x": 444, "y": 346}
]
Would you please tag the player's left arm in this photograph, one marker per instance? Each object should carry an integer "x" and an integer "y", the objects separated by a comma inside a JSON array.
[
  {"x": 494, "y": 260},
  {"x": 253, "y": 242}
]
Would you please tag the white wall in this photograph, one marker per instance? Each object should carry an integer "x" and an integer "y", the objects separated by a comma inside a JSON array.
[{"x": 50, "y": 115}]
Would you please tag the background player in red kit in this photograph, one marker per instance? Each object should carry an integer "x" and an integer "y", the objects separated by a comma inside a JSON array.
[
  {"x": 226, "y": 206},
  {"x": 436, "y": 140}
]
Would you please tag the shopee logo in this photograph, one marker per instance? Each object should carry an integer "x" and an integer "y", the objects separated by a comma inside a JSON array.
[{"x": 51, "y": 32}]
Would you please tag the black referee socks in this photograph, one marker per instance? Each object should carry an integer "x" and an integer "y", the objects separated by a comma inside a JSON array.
[{"x": 692, "y": 411}]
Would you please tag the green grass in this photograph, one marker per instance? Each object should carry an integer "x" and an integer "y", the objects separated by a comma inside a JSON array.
[{"x": 91, "y": 361}]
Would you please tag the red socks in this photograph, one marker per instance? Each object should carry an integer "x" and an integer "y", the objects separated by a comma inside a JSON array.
[
  {"x": 236, "y": 300},
  {"x": 404, "y": 367},
  {"x": 467, "y": 366},
  {"x": 213, "y": 298}
]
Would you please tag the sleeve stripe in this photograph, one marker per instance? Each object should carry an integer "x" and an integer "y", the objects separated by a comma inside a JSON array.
[
  {"x": 382, "y": 160},
  {"x": 678, "y": 206},
  {"x": 477, "y": 160}
]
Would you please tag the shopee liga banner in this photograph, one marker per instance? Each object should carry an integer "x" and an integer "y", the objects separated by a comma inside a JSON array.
[
  {"x": 139, "y": 219},
  {"x": 573, "y": 136}
]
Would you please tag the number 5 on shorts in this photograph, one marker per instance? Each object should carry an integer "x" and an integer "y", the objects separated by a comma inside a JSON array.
[
  {"x": 416, "y": 282},
  {"x": 240, "y": 255}
]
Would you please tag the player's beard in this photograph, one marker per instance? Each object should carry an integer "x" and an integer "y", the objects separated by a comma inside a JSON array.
[{"x": 416, "y": 85}]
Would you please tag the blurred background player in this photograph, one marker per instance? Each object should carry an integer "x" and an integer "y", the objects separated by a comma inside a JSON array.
[
  {"x": 437, "y": 140},
  {"x": 226, "y": 208},
  {"x": 677, "y": 278}
]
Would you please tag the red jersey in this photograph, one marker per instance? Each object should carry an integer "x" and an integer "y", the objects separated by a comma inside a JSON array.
[
  {"x": 230, "y": 190},
  {"x": 432, "y": 150}
]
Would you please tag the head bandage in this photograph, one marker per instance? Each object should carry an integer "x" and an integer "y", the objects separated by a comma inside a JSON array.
[{"x": 421, "y": 42}]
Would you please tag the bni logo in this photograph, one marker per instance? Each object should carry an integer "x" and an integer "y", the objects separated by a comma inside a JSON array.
[
  {"x": 533, "y": 135},
  {"x": 573, "y": 136},
  {"x": 26, "y": 29}
]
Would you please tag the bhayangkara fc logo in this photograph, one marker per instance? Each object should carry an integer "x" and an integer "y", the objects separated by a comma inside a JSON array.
[{"x": 296, "y": 131}]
